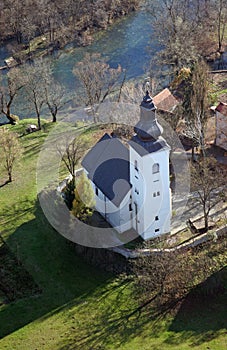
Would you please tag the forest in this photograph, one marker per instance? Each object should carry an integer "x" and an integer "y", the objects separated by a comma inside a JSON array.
[{"x": 61, "y": 21}]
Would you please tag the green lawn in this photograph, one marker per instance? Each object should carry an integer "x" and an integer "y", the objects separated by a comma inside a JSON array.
[{"x": 79, "y": 306}]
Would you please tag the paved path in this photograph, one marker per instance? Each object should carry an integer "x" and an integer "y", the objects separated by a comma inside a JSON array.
[
  {"x": 132, "y": 254},
  {"x": 191, "y": 211}
]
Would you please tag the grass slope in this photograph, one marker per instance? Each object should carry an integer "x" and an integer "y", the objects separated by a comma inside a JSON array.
[{"x": 79, "y": 306}]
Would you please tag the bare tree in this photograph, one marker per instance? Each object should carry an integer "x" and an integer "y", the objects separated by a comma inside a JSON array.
[
  {"x": 54, "y": 98},
  {"x": 221, "y": 21},
  {"x": 54, "y": 92},
  {"x": 176, "y": 25},
  {"x": 10, "y": 150},
  {"x": 13, "y": 12},
  {"x": 34, "y": 87},
  {"x": 209, "y": 183},
  {"x": 164, "y": 278},
  {"x": 71, "y": 152},
  {"x": 196, "y": 104},
  {"x": 41, "y": 88},
  {"x": 28, "y": 31},
  {"x": 97, "y": 79},
  {"x": 59, "y": 21},
  {"x": 185, "y": 29},
  {"x": 9, "y": 89},
  {"x": 131, "y": 92}
]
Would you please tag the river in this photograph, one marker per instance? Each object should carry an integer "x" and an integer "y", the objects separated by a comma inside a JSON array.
[
  {"x": 126, "y": 42},
  {"x": 129, "y": 42}
]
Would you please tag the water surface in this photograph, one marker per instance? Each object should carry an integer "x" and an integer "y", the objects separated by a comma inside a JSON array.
[{"x": 126, "y": 43}]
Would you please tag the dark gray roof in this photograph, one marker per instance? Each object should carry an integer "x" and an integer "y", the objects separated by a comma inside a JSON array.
[
  {"x": 146, "y": 147},
  {"x": 148, "y": 129},
  {"x": 148, "y": 102},
  {"x": 90, "y": 160},
  {"x": 107, "y": 164}
]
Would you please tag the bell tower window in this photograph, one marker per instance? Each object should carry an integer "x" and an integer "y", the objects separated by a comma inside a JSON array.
[{"x": 155, "y": 168}]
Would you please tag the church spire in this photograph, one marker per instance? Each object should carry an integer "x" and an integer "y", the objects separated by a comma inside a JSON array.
[
  {"x": 148, "y": 102},
  {"x": 148, "y": 129}
]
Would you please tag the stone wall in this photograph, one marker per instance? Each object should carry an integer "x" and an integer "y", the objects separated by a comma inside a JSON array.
[
  {"x": 105, "y": 259},
  {"x": 118, "y": 259}
]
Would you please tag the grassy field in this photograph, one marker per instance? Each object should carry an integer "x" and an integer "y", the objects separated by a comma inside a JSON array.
[{"x": 77, "y": 306}]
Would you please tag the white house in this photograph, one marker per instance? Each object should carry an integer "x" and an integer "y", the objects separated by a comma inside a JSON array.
[
  {"x": 221, "y": 125},
  {"x": 131, "y": 183}
]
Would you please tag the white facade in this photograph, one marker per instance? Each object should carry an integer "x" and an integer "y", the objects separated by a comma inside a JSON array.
[
  {"x": 144, "y": 201},
  {"x": 147, "y": 206},
  {"x": 119, "y": 217},
  {"x": 151, "y": 194}
]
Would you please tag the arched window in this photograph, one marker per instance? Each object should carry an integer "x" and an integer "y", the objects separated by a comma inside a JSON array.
[{"x": 155, "y": 168}]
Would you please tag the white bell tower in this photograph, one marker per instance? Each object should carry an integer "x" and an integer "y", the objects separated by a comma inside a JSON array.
[{"x": 149, "y": 174}]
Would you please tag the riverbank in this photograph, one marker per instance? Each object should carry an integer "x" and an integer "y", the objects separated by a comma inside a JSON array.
[{"x": 80, "y": 34}]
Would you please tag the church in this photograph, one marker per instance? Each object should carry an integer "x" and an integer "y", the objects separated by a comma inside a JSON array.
[{"x": 131, "y": 182}]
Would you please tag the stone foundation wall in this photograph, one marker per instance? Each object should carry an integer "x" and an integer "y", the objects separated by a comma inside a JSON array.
[
  {"x": 105, "y": 259},
  {"x": 118, "y": 260}
]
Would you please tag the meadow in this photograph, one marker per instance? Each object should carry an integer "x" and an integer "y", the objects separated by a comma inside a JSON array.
[{"x": 63, "y": 303}]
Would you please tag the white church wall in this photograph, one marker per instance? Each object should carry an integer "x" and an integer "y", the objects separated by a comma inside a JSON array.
[
  {"x": 151, "y": 193},
  {"x": 136, "y": 179},
  {"x": 157, "y": 210},
  {"x": 112, "y": 214},
  {"x": 99, "y": 198},
  {"x": 118, "y": 217},
  {"x": 126, "y": 214}
]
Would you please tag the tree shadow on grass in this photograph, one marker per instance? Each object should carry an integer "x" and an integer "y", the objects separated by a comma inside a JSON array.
[
  {"x": 57, "y": 271},
  {"x": 34, "y": 150},
  {"x": 15, "y": 281},
  {"x": 97, "y": 308},
  {"x": 202, "y": 316},
  {"x": 4, "y": 183},
  {"x": 67, "y": 284},
  {"x": 16, "y": 211},
  {"x": 196, "y": 321},
  {"x": 106, "y": 320}
]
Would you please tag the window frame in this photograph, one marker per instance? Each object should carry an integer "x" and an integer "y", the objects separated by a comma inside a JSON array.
[{"x": 155, "y": 168}]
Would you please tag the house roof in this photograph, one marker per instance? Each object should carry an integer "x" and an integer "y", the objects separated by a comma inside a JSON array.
[
  {"x": 107, "y": 164},
  {"x": 165, "y": 101},
  {"x": 222, "y": 108}
]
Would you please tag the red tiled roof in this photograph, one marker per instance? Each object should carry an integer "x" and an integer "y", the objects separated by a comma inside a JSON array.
[
  {"x": 165, "y": 101},
  {"x": 222, "y": 108}
]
